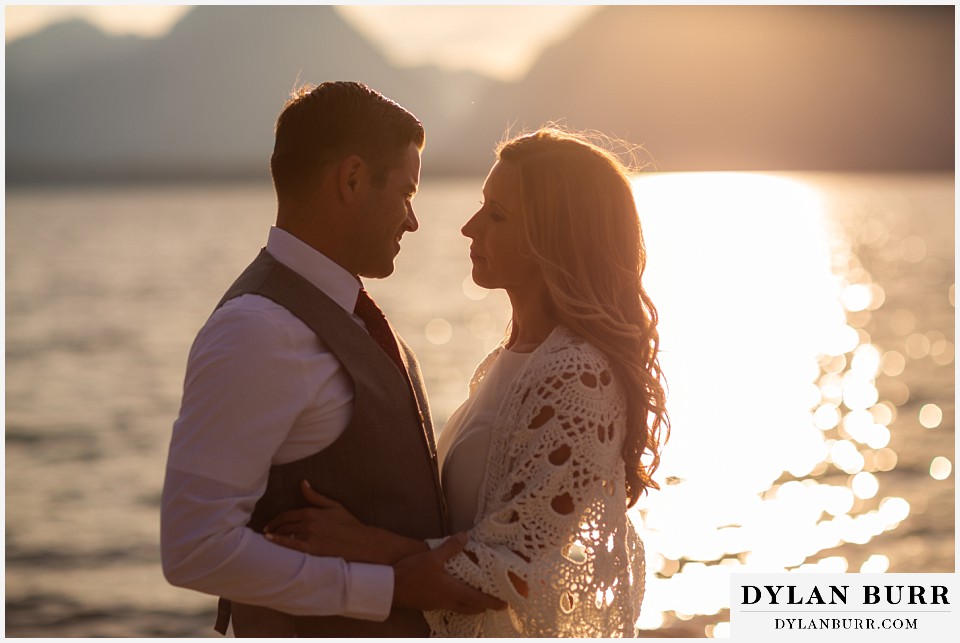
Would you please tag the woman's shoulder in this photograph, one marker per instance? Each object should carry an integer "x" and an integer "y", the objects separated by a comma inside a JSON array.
[
  {"x": 567, "y": 362},
  {"x": 482, "y": 368},
  {"x": 564, "y": 348},
  {"x": 569, "y": 377}
]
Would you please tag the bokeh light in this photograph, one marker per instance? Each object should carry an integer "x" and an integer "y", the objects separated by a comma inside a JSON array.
[
  {"x": 892, "y": 363},
  {"x": 918, "y": 346},
  {"x": 930, "y": 416},
  {"x": 875, "y": 564},
  {"x": 438, "y": 331},
  {"x": 940, "y": 468},
  {"x": 864, "y": 485},
  {"x": 472, "y": 291}
]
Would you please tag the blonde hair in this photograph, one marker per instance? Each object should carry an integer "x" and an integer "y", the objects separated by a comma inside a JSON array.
[{"x": 581, "y": 222}]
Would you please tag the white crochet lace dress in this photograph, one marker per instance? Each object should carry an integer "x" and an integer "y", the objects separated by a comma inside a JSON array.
[{"x": 552, "y": 537}]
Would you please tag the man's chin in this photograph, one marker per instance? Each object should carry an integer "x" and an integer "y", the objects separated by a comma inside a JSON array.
[{"x": 378, "y": 272}]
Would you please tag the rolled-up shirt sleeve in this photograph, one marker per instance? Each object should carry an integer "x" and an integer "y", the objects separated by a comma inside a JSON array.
[{"x": 245, "y": 387}]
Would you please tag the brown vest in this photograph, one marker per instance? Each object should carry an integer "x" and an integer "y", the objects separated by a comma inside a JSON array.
[{"x": 383, "y": 468}]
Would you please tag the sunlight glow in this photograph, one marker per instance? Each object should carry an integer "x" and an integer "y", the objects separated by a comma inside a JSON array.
[
  {"x": 502, "y": 42},
  {"x": 459, "y": 37},
  {"x": 809, "y": 399},
  {"x": 142, "y": 20},
  {"x": 856, "y": 297}
]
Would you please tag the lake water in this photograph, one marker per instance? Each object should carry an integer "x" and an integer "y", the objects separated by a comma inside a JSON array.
[{"x": 807, "y": 337}]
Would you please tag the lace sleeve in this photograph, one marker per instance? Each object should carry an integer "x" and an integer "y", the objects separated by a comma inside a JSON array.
[
  {"x": 553, "y": 539},
  {"x": 481, "y": 371}
]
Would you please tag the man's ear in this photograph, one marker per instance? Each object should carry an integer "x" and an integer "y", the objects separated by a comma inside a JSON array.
[{"x": 351, "y": 172}]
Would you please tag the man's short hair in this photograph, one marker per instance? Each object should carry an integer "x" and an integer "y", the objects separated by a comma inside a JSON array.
[{"x": 323, "y": 124}]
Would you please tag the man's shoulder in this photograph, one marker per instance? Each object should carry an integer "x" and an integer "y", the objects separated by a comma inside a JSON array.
[
  {"x": 248, "y": 318},
  {"x": 246, "y": 304}
]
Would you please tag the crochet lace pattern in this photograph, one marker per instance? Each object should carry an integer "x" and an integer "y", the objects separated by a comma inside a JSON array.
[{"x": 552, "y": 537}]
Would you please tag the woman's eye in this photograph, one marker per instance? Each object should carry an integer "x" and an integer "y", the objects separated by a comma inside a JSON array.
[{"x": 492, "y": 212}]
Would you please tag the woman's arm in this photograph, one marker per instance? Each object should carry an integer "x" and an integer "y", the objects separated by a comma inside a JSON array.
[
  {"x": 553, "y": 529},
  {"x": 420, "y": 579}
]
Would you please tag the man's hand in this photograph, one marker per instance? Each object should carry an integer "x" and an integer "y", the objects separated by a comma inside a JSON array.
[{"x": 421, "y": 582}]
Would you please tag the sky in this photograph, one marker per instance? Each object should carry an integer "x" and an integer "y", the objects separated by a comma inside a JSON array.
[{"x": 502, "y": 41}]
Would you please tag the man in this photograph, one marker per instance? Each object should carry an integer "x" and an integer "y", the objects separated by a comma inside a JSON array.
[{"x": 297, "y": 377}]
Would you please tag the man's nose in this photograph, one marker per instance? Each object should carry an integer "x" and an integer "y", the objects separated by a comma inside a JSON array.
[{"x": 412, "y": 224}]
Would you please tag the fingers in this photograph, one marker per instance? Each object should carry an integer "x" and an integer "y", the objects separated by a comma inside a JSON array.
[
  {"x": 470, "y": 600},
  {"x": 466, "y": 599},
  {"x": 451, "y": 546},
  {"x": 288, "y": 542},
  {"x": 293, "y": 516},
  {"x": 315, "y": 498},
  {"x": 477, "y": 600},
  {"x": 301, "y": 515},
  {"x": 421, "y": 582},
  {"x": 464, "y": 608}
]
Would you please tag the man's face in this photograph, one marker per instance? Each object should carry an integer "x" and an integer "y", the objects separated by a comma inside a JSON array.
[{"x": 386, "y": 214}]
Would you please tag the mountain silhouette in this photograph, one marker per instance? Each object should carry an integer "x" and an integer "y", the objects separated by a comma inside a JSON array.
[
  {"x": 700, "y": 87},
  {"x": 749, "y": 87},
  {"x": 199, "y": 102}
]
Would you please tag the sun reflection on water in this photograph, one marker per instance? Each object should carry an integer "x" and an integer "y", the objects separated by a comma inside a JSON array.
[{"x": 780, "y": 434}]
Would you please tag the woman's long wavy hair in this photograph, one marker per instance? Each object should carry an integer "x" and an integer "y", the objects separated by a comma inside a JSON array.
[{"x": 581, "y": 222}]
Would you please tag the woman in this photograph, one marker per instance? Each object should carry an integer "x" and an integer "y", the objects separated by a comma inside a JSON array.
[{"x": 543, "y": 459}]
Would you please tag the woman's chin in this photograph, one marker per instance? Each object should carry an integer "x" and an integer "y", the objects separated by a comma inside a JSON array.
[{"x": 480, "y": 280}]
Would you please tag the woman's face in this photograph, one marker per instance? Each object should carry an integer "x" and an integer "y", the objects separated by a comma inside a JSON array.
[{"x": 499, "y": 250}]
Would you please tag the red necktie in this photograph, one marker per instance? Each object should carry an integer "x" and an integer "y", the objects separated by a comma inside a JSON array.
[{"x": 379, "y": 329}]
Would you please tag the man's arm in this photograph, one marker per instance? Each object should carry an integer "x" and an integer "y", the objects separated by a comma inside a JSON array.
[
  {"x": 421, "y": 581},
  {"x": 244, "y": 388},
  {"x": 207, "y": 547}
]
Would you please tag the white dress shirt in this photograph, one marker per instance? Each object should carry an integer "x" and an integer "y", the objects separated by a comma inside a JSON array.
[{"x": 261, "y": 389}]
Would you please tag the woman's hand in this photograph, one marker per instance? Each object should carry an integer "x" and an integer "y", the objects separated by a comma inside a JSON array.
[{"x": 328, "y": 529}]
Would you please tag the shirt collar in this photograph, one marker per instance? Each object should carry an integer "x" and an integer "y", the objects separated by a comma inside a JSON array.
[{"x": 314, "y": 266}]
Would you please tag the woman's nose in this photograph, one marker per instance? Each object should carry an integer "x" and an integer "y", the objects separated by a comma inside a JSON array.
[{"x": 468, "y": 228}]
